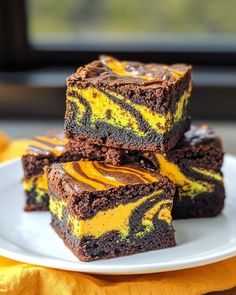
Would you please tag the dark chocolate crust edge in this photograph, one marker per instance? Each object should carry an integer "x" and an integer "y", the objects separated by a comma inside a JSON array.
[{"x": 202, "y": 205}]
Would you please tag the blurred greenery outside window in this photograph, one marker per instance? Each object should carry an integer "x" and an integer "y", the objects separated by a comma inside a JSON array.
[
  {"x": 123, "y": 22},
  {"x": 45, "y": 40}
]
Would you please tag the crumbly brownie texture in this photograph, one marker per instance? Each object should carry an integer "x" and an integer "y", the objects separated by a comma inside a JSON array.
[
  {"x": 128, "y": 105},
  {"x": 103, "y": 211},
  {"x": 105, "y": 154},
  {"x": 194, "y": 165}
]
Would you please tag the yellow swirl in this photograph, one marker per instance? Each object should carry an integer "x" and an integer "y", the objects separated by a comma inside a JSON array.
[
  {"x": 114, "y": 219},
  {"x": 120, "y": 117},
  {"x": 187, "y": 186}
]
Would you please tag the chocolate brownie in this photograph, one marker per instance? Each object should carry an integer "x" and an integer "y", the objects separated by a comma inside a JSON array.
[
  {"x": 104, "y": 211},
  {"x": 43, "y": 150},
  {"x": 128, "y": 105},
  {"x": 194, "y": 165}
]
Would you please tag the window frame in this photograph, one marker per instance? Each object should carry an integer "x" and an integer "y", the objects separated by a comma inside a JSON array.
[{"x": 18, "y": 53}]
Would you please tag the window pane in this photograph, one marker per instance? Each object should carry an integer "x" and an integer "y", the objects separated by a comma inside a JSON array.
[{"x": 94, "y": 22}]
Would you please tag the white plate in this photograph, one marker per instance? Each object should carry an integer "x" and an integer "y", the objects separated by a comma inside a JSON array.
[{"x": 28, "y": 237}]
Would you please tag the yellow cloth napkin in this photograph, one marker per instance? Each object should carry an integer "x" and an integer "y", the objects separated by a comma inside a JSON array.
[
  {"x": 20, "y": 278},
  {"x": 10, "y": 150}
]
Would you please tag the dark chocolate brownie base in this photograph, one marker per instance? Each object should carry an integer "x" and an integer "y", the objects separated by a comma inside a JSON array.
[
  {"x": 32, "y": 204},
  {"x": 90, "y": 249},
  {"x": 203, "y": 205}
]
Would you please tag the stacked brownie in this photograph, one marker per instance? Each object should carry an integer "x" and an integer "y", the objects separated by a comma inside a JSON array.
[
  {"x": 128, "y": 105},
  {"x": 130, "y": 160}
]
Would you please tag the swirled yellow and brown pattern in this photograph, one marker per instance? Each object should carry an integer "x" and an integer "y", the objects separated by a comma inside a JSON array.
[
  {"x": 135, "y": 218},
  {"x": 135, "y": 118},
  {"x": 94, "y": 108},
  {"x": 98, "y": 176},
  {"x": 142, "y": 115},
  {"x": 42, "y": 150},
  {"x": 201, "y": 181},
  {"x": 131, "y": 216},
  {"x": 199, "y": 190}
]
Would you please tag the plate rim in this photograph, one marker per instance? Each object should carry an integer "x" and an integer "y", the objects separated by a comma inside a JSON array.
[
  {"x": 56, "y": 263},
  {"x": 119, "y": 269}
]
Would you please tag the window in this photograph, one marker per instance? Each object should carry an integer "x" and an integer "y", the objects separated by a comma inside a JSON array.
[
  {"x": 67, "y": 32},
  {"x": 131, "y": 25}
]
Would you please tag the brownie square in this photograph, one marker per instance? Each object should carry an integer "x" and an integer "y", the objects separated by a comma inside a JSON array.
[
  {"x": 128, "y": 105},
  {"x": 103, "y": 211},
  {"x": 43, "y": 150}
]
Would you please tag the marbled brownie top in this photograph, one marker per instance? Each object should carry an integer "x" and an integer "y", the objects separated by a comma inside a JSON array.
[
  {"x": 111, "y": 71},
  {"x": 94, "y": 176}
]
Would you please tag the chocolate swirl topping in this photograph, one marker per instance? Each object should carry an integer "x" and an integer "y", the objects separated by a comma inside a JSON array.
[
  {"x": 51, "y": 143},
  {"x": 108, "y": 70},
  {"x": 96, "y": 176}
]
